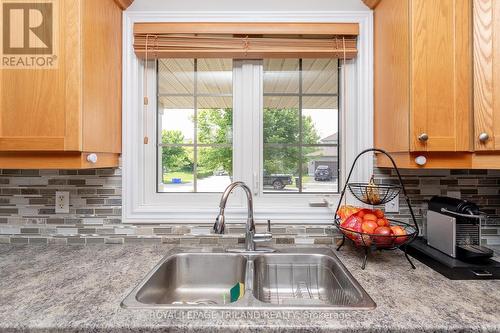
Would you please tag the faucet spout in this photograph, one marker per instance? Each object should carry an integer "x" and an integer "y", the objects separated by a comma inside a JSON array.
[{"x": 219, "y": 225}]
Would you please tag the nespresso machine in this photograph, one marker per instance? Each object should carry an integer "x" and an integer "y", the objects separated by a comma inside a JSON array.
[{"x": 452, "y": 244}]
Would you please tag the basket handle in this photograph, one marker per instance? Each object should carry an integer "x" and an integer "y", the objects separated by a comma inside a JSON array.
[{"x": 405, "y": 194}]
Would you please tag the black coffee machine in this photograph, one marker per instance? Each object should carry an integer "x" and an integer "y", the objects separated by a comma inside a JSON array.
[{"x": 452, "y": 244}]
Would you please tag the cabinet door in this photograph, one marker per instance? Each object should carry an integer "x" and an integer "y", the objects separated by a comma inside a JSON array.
[
  {"x": 40, "y": 109},
  {"x": 102, "y": 84},
  {"x": 487, "y": 74},
  {"x": 391, "y": 75},
  {"x": 441, "y": 76}
]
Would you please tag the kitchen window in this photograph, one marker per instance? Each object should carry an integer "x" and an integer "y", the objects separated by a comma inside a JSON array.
[
  {"x": 279, "y": 124},
  {"x": 299, "y": 125}
]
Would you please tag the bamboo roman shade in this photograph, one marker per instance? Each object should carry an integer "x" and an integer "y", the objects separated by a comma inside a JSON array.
[{"x": 245, "y": 40}]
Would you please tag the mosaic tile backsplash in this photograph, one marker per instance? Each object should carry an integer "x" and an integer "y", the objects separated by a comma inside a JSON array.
[
  {"x": 27, "y": 213},
  {"x": 479, "y": 186}
]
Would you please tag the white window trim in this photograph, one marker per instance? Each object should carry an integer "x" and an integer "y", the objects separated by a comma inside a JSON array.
[{"x": 140, "y": 206}]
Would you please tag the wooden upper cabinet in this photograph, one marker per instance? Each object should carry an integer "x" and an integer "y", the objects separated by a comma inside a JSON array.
[
  {"x": 437, "y": 82},
  {"x": 392, "y": 75},
  {"x": 40, "y": 108},
  {"x": 486, "y": 75},
  {"x": 423, "y": 77},
  {"x": 55, "y": 116},
  {"x": 441, "y": 76}
]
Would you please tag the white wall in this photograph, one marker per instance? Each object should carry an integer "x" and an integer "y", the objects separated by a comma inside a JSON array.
[{"x": 249, "y": 5}]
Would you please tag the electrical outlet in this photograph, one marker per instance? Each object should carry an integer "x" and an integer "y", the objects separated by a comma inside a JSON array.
[
  {"x": 62, "y": 202},
  {"x": 393, "y": 205}
]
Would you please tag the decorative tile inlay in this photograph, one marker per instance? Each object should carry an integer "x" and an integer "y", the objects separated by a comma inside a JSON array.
[{"x": 27, "y": 209}]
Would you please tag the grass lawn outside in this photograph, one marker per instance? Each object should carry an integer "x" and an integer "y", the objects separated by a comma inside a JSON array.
[
  {"x": 307, "y": 179},
  {"x": 185, "y": 177}
]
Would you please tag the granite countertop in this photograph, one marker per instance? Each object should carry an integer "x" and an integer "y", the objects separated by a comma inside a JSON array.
[{"x": 76, "y": 289}]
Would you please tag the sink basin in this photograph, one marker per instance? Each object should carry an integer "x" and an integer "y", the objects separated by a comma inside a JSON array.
[
  {"x": 304, "y": 279},
  {"x": 193, "y": 279},
  {"x": 298, "y": 278}
]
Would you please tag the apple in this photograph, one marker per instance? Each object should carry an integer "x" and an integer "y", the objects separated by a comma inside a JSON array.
[
  {"x": 400, "y": 232},
  {"x": 382, "y": 236},
  {"x": 364, "y": 240}
]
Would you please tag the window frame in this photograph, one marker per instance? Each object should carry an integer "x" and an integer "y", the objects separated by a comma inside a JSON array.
[{"x": 141, "y": 203}]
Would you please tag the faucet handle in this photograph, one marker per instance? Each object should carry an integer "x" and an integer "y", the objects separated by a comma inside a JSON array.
[{"x": 264, "y": 236}]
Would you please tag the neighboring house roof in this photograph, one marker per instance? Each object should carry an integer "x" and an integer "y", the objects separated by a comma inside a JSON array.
[
  {"x": 327, "y": 152},
  {"x": 331, "y": 139}
]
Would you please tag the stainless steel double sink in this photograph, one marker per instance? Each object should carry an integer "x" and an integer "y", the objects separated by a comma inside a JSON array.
[{"x": 299, "y": 278}]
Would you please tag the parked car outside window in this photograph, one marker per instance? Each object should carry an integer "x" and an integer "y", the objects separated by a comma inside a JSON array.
[
  {"x": 323, "y": 173},
  {"x": 277, "y": 181}
]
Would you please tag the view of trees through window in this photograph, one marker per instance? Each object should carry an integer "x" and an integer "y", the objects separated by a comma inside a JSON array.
[{"x": 300, "y": 125}]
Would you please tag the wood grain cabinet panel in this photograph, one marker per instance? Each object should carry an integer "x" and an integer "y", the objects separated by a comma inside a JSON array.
[
  {"x": 392, "y": 75},
  {"x": 102, "y": 82},
  {"x": 40, "y": 108},
  {"x": 437, "y": 82},
  {"x": 441, "y": 77},
  {"x": 74, "y": 108},
  {"x": 423, "y": 77},
  {"x": 487, "y": 75}
]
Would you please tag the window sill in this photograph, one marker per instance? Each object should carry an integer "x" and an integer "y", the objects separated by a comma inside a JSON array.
[{"x": 308, "y": 215}]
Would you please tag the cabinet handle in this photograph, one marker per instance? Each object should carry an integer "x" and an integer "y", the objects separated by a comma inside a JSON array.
[
  {"x": 92, "y": 158},
  {"x": 423, "y": 137},
  {"x": 421, "y": 160},
  {"x": 483, "y": 137}
]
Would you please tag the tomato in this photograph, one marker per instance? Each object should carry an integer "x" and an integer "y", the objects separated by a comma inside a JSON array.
[
  {"x": 369, "y": 226},
  {"x": 379, "y": 213},
  {"x": 399, "y": 231},
  {"x": 382, "y": 222},
  {"x": 370, "y": 217}
]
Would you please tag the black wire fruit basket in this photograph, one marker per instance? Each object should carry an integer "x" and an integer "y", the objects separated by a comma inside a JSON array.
[
  {"x": 373, "y": 194},
  {"x": 351, "y": 227}
]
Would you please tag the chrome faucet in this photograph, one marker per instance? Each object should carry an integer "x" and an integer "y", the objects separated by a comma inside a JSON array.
[{"x": 251, "y": 237}]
